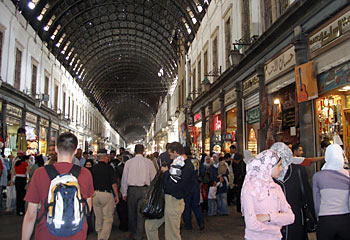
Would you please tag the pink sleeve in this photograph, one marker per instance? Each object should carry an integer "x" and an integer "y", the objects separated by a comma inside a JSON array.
[
  {"x": 250, "y": 219},
  {"x": 285, "y": 216}
]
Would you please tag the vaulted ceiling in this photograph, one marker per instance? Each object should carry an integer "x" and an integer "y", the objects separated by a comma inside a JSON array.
[{"x": 123, "y": 53}]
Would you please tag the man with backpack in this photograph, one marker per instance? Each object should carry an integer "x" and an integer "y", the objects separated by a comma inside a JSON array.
[{"x": 64, "y": 194}]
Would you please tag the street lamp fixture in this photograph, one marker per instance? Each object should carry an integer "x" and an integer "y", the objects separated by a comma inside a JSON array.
[
  {"x": 177, "y": 113},
  {"x": 206, "y": 84},
  {"x": 235, "y": 56},
  {"x": 189, "y": 101}
]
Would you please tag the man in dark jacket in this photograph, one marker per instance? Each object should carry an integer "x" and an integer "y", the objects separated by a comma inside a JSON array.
[
  {"x": 193, "y": 199},
  {"x": 178, "y": 184},
  {"x": 239, "y": 172}
]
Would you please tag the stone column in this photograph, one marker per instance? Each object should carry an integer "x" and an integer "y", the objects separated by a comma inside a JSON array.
[
  {"x": 306, "y": 113},
  {"x": 203, "y": 128},
  {"x": 263, "y": 104},
  {"x": 211, "y": 126},
  {"x": 48, "y": 135},
  {"x": 3, "y": 121},
  {"x": 38, "y": 129},
  {"x": 239, "y": 132},
  {"x": 223, "y": 117},
  {"x": 23, "y": 117}
]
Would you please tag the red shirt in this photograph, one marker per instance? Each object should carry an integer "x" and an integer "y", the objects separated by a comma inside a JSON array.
[
  {"x": 22, "y": 168},
  {"x": 307, "y": 162},
  {"x": 38, "y": 191}
]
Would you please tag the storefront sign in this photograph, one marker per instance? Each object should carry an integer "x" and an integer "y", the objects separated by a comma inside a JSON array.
[
  {"x": 229, "y": 136},
  {"x": 30, "y": 117},
  {"x": 14, "y": 111},
  {"x": 306, "y": 83},
  {"x": 197, "y": 117},
  {"x": 54, "y": 126},
  {"x": 253, "y": 115},
  {"x": 216, "y": 105},
  {"x": 44, "y": 122},
  {"x": 279, "y": 65},
  {"x": 334, "y": 78},
  {"x": 330, "y": 32},
  {"x": 288, "y": 118},
  {"x": 230, "y": 96},
  {"x": 250, "y": 85},
  {"x": 217, "y": 122}
]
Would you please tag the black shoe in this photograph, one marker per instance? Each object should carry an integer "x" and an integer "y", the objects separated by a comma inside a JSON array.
[{"x": 201, "y": 227}]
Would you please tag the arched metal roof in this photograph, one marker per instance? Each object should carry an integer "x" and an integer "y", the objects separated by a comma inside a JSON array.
[{"x": 123, "y": 53}]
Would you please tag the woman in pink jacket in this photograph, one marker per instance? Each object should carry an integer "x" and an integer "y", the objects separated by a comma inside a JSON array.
[{"x": 264, "y": 206}]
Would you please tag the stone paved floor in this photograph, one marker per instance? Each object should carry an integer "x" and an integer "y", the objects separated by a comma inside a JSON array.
[{"x": 218, "y": 228}]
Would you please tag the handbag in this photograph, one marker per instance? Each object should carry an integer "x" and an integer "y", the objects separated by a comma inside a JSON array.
[{"x": 310, "y": 222}]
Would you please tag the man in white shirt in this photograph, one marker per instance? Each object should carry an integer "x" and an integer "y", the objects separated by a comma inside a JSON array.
[{"x": 137, "y": 176}]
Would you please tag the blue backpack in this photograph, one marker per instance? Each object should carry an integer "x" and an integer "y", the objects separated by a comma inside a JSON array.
[{"x": 65, "y": 209}]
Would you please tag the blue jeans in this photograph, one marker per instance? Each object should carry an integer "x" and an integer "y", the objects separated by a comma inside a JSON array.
[
  {"x": 192, "y": 203},
  {"x": 222, "y": 203},
  {"x": 212, "y": 207}
]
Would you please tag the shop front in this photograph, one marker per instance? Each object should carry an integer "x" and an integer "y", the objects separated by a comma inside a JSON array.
[
  {"x": 252, "y": 113},
  {"x": 217, "y": 134},
  {"x": 231, "y": 120},
  {"x": 196, "y": 135},
  {"x": 333, "y": 106},
  {"x": 13, "y": 121},
  {"x": 31, "y": 134},
  {"x": 280, "y": 107},
  {"x": 43, "y": 134},
  {"x": 329, "y": 47},
  {"x": 252, "y": 129}
]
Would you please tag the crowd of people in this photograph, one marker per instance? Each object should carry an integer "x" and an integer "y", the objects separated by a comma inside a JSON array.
[{"x": 271, "y": 190}]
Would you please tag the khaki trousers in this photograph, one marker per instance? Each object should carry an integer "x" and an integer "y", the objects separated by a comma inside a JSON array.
[
  {"x": 103, "y": 204},
  {"x": 172, "y": 218}
]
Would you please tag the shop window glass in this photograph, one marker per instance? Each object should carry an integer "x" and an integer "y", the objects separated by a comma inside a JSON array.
[
  {"x": 18, "y": 66},
  {"x": 34, "y": 76},
  {"x": 329, "y": 110}
]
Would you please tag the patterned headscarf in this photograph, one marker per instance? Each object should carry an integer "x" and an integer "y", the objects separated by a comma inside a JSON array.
[
  {"x": 286, "y": 155},
  {"x": 259, "y": 171}
]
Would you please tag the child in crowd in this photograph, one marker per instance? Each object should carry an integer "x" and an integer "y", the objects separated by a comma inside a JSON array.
[{"x": 212, "y": 205}]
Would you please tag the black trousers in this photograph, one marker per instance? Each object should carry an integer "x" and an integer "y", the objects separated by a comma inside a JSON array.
[
  {"x": 136, "y": 221},
  {"x": 20, "y": 184},
  {"x": 333, "y": 227}
]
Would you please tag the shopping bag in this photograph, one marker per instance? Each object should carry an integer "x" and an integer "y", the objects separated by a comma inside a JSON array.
[
  {"x": 154, "y": 198},
  {"x": 10, "y": 197}
]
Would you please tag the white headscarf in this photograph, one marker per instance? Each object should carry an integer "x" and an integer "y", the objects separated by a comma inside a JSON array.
[
  {"x": 334, "y": 158},
  {"x": 286, "y": 155},
  {"x": 216, "y": 164}
]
